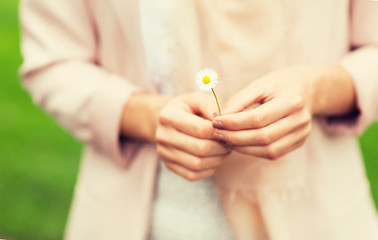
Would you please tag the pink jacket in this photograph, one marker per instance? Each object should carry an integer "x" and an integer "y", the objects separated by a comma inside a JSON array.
[{"x": 83, "y": 60}]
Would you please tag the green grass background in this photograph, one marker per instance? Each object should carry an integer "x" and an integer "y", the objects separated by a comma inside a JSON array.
[{"x": 39, "y": 161}]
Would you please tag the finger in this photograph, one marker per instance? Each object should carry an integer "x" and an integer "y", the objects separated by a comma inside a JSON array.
[
  {"x": 194, "y": 146},
  {"x": 203, "y": 105},
  {"x": 187, "y": 173},
  {"x": 187, "y": 160},
  {"x": 261, "y": 116},
  {"x": 280, "y": 147},
  {"x": 242, "y": 100},
  {"x": 266, "y": 135},
  {"x": 191, "y": 114},
  {"x": 188, "y": 123}
]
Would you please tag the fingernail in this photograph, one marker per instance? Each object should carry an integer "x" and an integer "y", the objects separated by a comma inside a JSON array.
[
  {"x": 218, "y": 136},
  {"x": 217, "y": 124}
]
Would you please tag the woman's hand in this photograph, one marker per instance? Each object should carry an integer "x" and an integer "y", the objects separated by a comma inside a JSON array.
[
  {"x": 184, "y": 137},
  {"x": 283, "y": 103}
]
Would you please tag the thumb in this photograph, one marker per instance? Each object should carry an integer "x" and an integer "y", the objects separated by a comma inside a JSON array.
[
  {"x": 242, "y": 100},
  {"x": 203, "y": 105},
  {"x": 209, "y": 109}
]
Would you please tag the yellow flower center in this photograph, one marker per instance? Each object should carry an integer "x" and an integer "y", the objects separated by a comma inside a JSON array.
[{"x": 206, "y": 79}]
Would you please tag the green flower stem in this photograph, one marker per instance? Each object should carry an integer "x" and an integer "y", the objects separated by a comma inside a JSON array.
[{"x": 216, "y": 99}]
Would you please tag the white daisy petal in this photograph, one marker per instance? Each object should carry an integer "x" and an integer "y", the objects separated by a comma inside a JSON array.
[{"x": 206, "y": 79}]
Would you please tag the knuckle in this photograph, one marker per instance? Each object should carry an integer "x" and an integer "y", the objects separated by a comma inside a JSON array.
[
  {"x": 159, "y": 136},
  {"x": 201, "y": 131},
  {"x": 303, "y": 119},
  {"x": 264, "y": 138},
  {"x": 271, "y": 153},
  {"x": 191, "y": 176},
  {"x": 208, "y": 132},
  {"x": 163, "y": 118},
  {"x": 197, "y": 130},
  {"x": 306, "y": 124},
  {"x": 229, "y": 138},
  {"x": 202, "y": 150},
  {"x": 309, "y": 129},
  {"x": 197, "y": 164},
  {"x": 306, "y": 117},
  {"x": 257, "y": 120},
  {"x": 230, "y": 123},
  {"x": 297, "y": 102}
]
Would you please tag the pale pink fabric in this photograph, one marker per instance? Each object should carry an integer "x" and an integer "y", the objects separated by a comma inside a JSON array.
[
  {"x": 246, "y": 39},
  {"x": 83, "y": 59}
]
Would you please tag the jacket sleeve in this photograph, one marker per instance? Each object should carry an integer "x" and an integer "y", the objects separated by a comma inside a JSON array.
[
  {"x": 60, "y": 72},
  {"x": 362, "y": 64}
]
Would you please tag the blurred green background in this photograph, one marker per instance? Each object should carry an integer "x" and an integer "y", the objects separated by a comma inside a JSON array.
[{"x": 39, "y": 161}]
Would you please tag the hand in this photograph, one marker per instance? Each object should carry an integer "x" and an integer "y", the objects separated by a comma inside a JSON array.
[
  {"x": 184, "y": 137},
  {"x": 286, "y": 101}
]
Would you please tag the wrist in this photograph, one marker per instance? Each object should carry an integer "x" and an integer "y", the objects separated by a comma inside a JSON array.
[
  {"x": 331, "y": 90},
  {"x": 141, "y": 114},
  {"x": 307, "y": 82}
]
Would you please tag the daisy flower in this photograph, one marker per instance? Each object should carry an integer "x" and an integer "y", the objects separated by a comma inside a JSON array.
[{"x": 206, "y": 80}]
